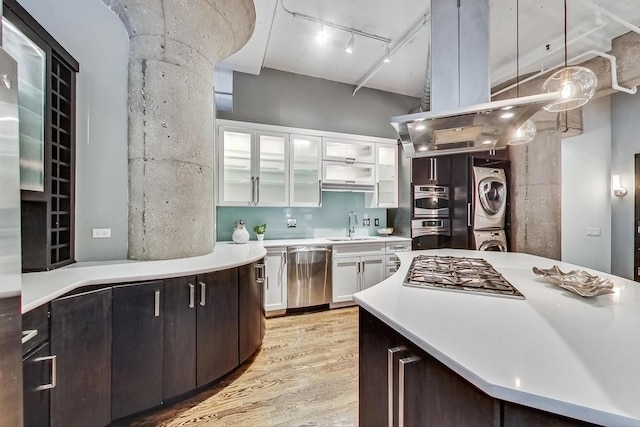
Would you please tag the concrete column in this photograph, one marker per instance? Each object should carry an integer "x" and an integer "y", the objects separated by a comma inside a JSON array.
[
  {"x": 536, "y": 175},
  {"x": 174, "y": 45}
]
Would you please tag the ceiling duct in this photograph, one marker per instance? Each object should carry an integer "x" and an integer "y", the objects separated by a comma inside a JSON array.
[{"x": 461, "y": 117}]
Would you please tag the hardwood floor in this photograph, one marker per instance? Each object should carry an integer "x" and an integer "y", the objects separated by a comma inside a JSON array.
[{"x": 305, "y": 374}]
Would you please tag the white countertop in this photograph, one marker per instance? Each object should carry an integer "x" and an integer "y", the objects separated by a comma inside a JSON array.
[
  {"x": 555, "y": 351},
  {"x": 327, "y": 241},
  {"x": 40, "y": 288}
]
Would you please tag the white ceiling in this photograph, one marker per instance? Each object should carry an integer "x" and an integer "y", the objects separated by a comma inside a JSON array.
[{"x": 284, "y": 42}]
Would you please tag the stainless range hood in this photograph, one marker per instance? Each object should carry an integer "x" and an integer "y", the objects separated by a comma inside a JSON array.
[
  {"x": 461, "y": 118},
  {"x": 479, "y": 127}
]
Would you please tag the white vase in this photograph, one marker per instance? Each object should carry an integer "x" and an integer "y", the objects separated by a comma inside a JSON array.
[
  {"x": 240, "y": 234},
  {"x": 260, "y": 237}
]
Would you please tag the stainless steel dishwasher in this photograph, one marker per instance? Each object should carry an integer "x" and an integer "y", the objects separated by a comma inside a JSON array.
[{"x": 309, "y": 276}]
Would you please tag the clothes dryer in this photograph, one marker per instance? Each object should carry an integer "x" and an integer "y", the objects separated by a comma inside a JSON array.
[
  {"x": 490, "y": 240},
  {"x": 490, "y": 198}
]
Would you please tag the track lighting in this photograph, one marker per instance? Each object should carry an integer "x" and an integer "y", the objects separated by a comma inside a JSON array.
[
  {"x": 387, "y": 54},
  {"x": 322, "y": 36},
  {"x": 349, "y": 48}
]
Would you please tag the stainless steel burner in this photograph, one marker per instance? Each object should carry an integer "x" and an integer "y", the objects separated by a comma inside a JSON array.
[{"x": 458, "y": 274}]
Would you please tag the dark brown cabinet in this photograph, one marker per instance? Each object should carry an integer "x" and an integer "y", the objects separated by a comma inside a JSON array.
[
  {"x": 431, "y": 170},
  {"x": 179, "y": 341},
  {"x": 136, "y": 378},
  {"x": 36, "y": 377},
  {"x": 217, "y": 325},
  {"x": 398, "y": 378},
  {"x": 252, "y": 317},
  {"x": 81, "y": 342}
]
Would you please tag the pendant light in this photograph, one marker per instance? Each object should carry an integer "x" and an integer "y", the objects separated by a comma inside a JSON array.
[
  {"x": 576, "y": 85},
  {"x": 387, "y": 54},
  {"x": 349, "y": 48},
  {"x": 525, "y": 133}
]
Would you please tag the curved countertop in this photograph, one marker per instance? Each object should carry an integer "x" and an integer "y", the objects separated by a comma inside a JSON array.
[
  {"x": 40, "y": 288},
  {"x": 555, "y": 351}
]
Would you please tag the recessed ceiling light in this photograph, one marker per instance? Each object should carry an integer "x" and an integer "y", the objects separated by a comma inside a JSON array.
[
  {"x": 420, "y": 126},
  {"x": 508, "y": 108},
  {"x": 488, "y": 141},
  {"x": 423, "y": 148},
  {"x": 507, "y": 115}
]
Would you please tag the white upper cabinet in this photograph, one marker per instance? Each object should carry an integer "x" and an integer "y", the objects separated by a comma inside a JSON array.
[
  {"x": 347, "y": 151},
  {"x": 305, "y": 178},
  {"x": 348, "y": 174},
  {"x": 253, "y": 168},
  {"x": 386, "y": 195}
]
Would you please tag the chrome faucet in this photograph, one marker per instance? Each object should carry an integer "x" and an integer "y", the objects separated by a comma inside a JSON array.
[{"x": 352, "y": 228}]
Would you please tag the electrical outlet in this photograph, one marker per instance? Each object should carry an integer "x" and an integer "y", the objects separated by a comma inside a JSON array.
[
  {"x": 594, "y": 232},
  {"x": 376, "y": 222},
  {"x": 366, "y": 222},
  {"x": 291, "y": 223},
  {"x": 101, "y": 233}
]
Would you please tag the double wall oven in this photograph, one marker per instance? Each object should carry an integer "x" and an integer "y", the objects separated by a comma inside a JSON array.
[{"x": 430, "y": 223}]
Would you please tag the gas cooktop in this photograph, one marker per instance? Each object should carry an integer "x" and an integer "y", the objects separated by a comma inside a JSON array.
[{"x": 459, "y": 274}]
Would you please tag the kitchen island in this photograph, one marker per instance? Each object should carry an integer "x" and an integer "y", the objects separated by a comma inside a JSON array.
[{"x": 552, "y": 351}]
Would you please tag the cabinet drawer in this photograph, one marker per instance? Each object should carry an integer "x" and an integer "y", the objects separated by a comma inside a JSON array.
[
  {"x": 35, "y": 328},
  {"x": 358, "y": 249},
  {"x": 392, "y": 260},
  {"x": 392, "y": 248},
  {"x": 390, "y": 270}
]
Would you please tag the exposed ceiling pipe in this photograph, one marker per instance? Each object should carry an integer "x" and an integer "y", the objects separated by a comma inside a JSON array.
[
  {"x": 405, "y": 39},
  {"x": 615, "y": 18},
  {"x": 590, "y": 53},
  {"x": 425, "y": 101}
]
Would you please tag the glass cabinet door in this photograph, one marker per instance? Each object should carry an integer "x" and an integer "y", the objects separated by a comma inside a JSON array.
[
  {"x": 272, "y": 177},
  {"x": 305, "y": 189},
  {"x": 236, "y": 177},
  {"x": 387, "y": 183},
  {"x": 348, "y": 174},
  {"x": 31, "y": 104},
  {"x": 349, "y": 151}
]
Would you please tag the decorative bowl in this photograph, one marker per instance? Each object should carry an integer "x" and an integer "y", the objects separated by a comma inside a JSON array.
[
  {"x": 385, "y": 231},
  {"x": 577, "y": 281}
]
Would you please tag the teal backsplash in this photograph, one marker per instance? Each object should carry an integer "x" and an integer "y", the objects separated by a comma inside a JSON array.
[{"x": 329, "y": 220}]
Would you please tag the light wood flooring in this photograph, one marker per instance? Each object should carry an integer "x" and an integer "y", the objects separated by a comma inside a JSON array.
[{"x": 305, "y": 374}]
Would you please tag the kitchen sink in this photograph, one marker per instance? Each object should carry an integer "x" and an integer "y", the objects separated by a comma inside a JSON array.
[{"x": 349, "y": 239}]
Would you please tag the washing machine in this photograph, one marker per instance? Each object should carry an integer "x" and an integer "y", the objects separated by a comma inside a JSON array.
[
  {"x": 490, "y": 240},
  {"x": 490, "y": 198}
]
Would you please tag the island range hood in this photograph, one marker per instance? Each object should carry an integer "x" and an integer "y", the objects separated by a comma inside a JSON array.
[{"x": 462, "y": 118}]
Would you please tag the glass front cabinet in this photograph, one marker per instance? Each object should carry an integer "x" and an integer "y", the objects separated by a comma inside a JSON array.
[
  {"x": 253, "y": 168},
  {"x": 386, "y": 194},
  {"x": 306, "y": 180}
]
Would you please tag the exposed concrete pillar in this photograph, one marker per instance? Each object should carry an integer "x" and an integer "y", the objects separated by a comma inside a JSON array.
[{"x": 174, "y": 45}]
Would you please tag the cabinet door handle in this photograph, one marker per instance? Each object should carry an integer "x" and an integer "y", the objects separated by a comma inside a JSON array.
[
  {"x": 260, "y": 273},
  {"x": 28, "y": 335},
  {"x": 401, "y": 375},
  {"x": 54, "y": 372},
  {"x": 192, "y": 295},
  {"x": 391, "y": 355},
  {"x": 358, "y": 266},
  {"x": 257, "y": 191},
  {"x": 253, "y": 191},
  {"x": 363, "y": 266},
  {"x": 156, "y": 310},
  {"x": 203, "y": 289},
  {"x": 320, "y": 193},
  {"x": 468, "y": 214},
  {"x": 377, "y": 194},
  {"x": 284, "y": 257},
  {"x": 435, "y": 170},
  {"x": 350, "y": 160},
  {"x": 266, "y": 280}
]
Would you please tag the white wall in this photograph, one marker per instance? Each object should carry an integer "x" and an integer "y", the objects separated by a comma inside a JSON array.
[
  {"x": 586, "y": 189},
  {"x": 96, "y": 38},
  {"x": 625, "y": 142}
]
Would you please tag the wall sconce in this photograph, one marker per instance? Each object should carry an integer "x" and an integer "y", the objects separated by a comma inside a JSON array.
[{"x": 617, "y": 187}]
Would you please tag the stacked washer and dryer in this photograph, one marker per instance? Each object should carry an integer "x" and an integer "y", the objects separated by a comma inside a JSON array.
[{"x": 490, "y": 208}]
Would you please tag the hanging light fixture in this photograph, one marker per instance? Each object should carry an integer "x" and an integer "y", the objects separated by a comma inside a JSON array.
[
  {"x": 349, "y": 48},
  {"x": 525, "y": 133},
  {"x": 387, "y": 54},
  {"x": 576, "y": 85}
]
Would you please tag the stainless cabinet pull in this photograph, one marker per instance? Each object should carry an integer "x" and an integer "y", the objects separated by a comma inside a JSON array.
[
  {"x": 203, "y": 288},
  {"x": 28, "y": 335},
  {"x": 54, "y": 372},
  {"x": 350, "y": 182},
  {"x": 403, "y": 362},
  {"x": 378, "y": 194},
  {"x": 468, "y": 214},
  {"x": 358, "y": 266},
  {"x": 363, "y": 265},
  {"x": 320, "y": 188},
  {"x": 284, "y": 257},
  {"x": 435, "y": 170},
  {"x": 266, "y": 280},
  {"x": 192, "y": 295},
  {"x": 156, "y": 311},
  {"x": 257, "y": 191},
  {"x": 350, "y": 160},
  {"x": 253, "y": 191},
  {"x": 392, "y": 352}
]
